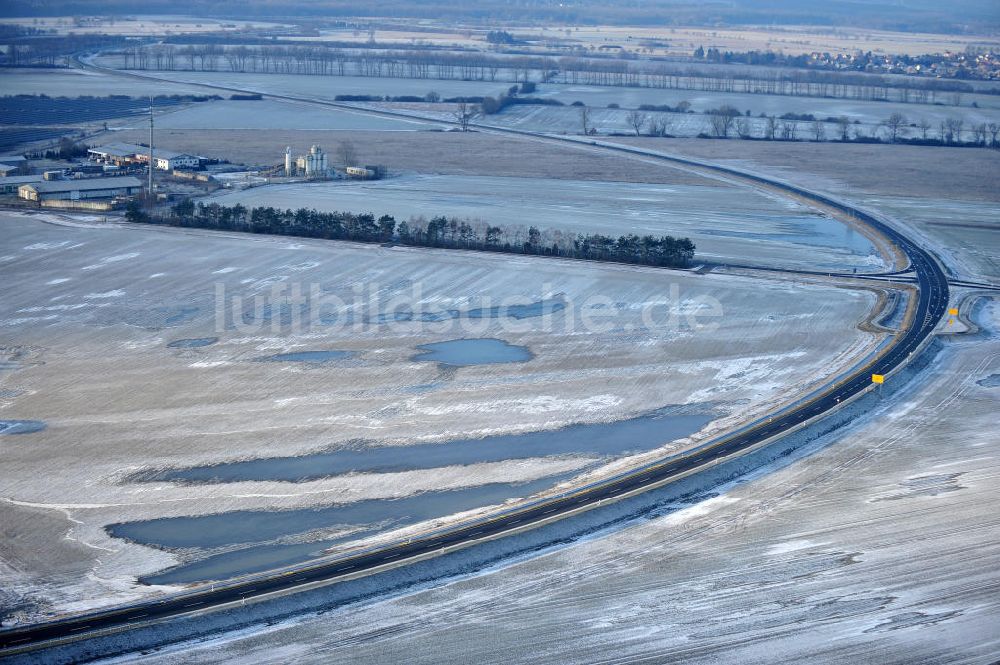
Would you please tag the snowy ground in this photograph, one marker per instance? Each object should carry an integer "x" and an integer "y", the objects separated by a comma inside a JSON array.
[
  {"x": 89, "y": 311},
  {"x": 328, "y": 87},
  {"x": 273, "y": 114},
  {"x": 782, "y": 232},
  {"x": 566, "y": 119},
  {"x": 77, "y": 83},
  {"x": 880, "y": 548}
]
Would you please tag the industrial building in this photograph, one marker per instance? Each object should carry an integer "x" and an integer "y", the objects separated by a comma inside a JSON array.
[
  {"x": 123, "y": 154},
  {"x": 311, "y": 165},
  {"x": 11, "y": 184},
  {"x": 76, "y": 190},
  {"x": 168, "y": 160},
  {"x": 117, "y": 154}
]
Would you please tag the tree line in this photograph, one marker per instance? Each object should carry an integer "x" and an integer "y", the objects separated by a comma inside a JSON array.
[
  {"x": 475, "y": 66},
  {"x": 439, "y": 231}
]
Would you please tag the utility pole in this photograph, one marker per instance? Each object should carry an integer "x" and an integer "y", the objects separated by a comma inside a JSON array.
[{"x": 149, "y": 193}]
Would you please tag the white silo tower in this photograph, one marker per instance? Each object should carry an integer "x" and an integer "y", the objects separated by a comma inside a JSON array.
[{"x": 288, "y": 161}]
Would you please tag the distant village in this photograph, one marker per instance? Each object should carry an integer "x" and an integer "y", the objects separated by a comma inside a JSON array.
[{"x": 971, "y": 64}]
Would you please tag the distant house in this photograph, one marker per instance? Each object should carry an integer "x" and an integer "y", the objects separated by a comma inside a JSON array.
[
  {"x": 168, "y": 160},
  {"x": 360, "y": 172},
  {"x": 11, "y": 184},
  {"x": 76, "y": 190}
]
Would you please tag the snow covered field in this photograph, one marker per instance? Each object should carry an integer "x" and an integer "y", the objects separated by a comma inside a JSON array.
[
  {"x": 92, "y": 314},
  {"x": 869, "y": 115},
  {"x": 77, "y": 83},
  {"x": 880, "y": 548},
  {"x": 273, "y": 114},
  {"x": 780, "y": 232},
  {"x": 328, "y": 87}
]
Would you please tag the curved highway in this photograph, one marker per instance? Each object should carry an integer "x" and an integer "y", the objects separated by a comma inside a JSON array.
[{"x": 931, "y": 305}]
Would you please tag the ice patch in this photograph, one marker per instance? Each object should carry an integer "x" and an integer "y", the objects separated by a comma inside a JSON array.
[
  {"x": 49, "y": 245},
  {"x": 117, "y": 293},
  {"x": 699, "y": 509},
  {"x": 223, "y": 271},
  {"x": 790, "y": 546},
  {"x": 58, "y": 280},
  {"x": 540, "y": 404},
  {"x": 111, "y": 259},
  {"x": 28, "y": 319}
]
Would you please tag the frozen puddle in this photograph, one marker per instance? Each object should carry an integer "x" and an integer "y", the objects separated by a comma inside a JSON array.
[
  {"x": 311, "y": 357},
  {"x": 271, "y": 539},
  {"x": 21, "y": 426},
  {"x": 466, "y": 352},
  {"x": 814, "y": 231},
  {"x": 604, "y": 440},
  {"x": 192, "y": 343},
  {"x": 241, "y": 542},
  {"x": 991, "y": 381}
]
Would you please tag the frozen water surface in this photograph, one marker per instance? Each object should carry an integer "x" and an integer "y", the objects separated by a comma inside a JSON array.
[
  {"x": 192, "y": 343},
  {"x": 267, "y": 527},
  {"x": 593, "y": 439},
  {"x": 21, "y": 426},
  {"x": 466, "y": 352}
]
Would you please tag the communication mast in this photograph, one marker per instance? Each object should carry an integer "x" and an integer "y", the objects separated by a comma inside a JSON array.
[{"x": 150, "y": 192}]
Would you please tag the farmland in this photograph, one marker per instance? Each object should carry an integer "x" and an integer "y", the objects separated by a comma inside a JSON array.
[
  {"x": 781, "y": 231},
  {"x": 284, "y": 428},
  {"x": 140, "y": 289}
]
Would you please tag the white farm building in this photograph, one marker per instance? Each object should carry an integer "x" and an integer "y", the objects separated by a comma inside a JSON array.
[{"x": 121, "y": 154}]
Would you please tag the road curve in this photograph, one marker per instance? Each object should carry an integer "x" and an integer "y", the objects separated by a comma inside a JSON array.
[{"x": 931, "y": 305}]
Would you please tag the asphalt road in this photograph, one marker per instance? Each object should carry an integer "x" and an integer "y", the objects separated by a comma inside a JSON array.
[{"x": 932, "y": 303}]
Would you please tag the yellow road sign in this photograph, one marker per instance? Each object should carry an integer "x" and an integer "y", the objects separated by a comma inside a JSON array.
[
  {"x": 953, "y": 311},
  {"x": 878, "y": 378}
]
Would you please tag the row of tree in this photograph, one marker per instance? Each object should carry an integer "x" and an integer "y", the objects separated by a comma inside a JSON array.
[
  {"x": 440, "y": 231},
  {"x": 727, "y": 121},
  {"x": 475, "y": 66}
]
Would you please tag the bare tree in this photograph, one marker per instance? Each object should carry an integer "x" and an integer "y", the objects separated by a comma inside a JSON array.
[
  {"x": 744, "y": 127},
  {"x": 953, "y": 130},
  {"x": 896, "y": 126},
  {"x": 585, "y": 119},
  {"x": 661, "y": 126},
  {"x": 994, "y": 129},
  {"x": 844, "y": 127},
  {"x": 925, "y": 127},
  {"x": 347, "y": 153},
  {"x": 771, "y": 128},
  {"x": 721, "y": 120},
  {"x": 979, "y": 133},
  {"x": 637, "y": 119},
  {"x": 818, "y": 130},
  {"x": 789, "y": 129},
  {"x": 463, "y": 114}
]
